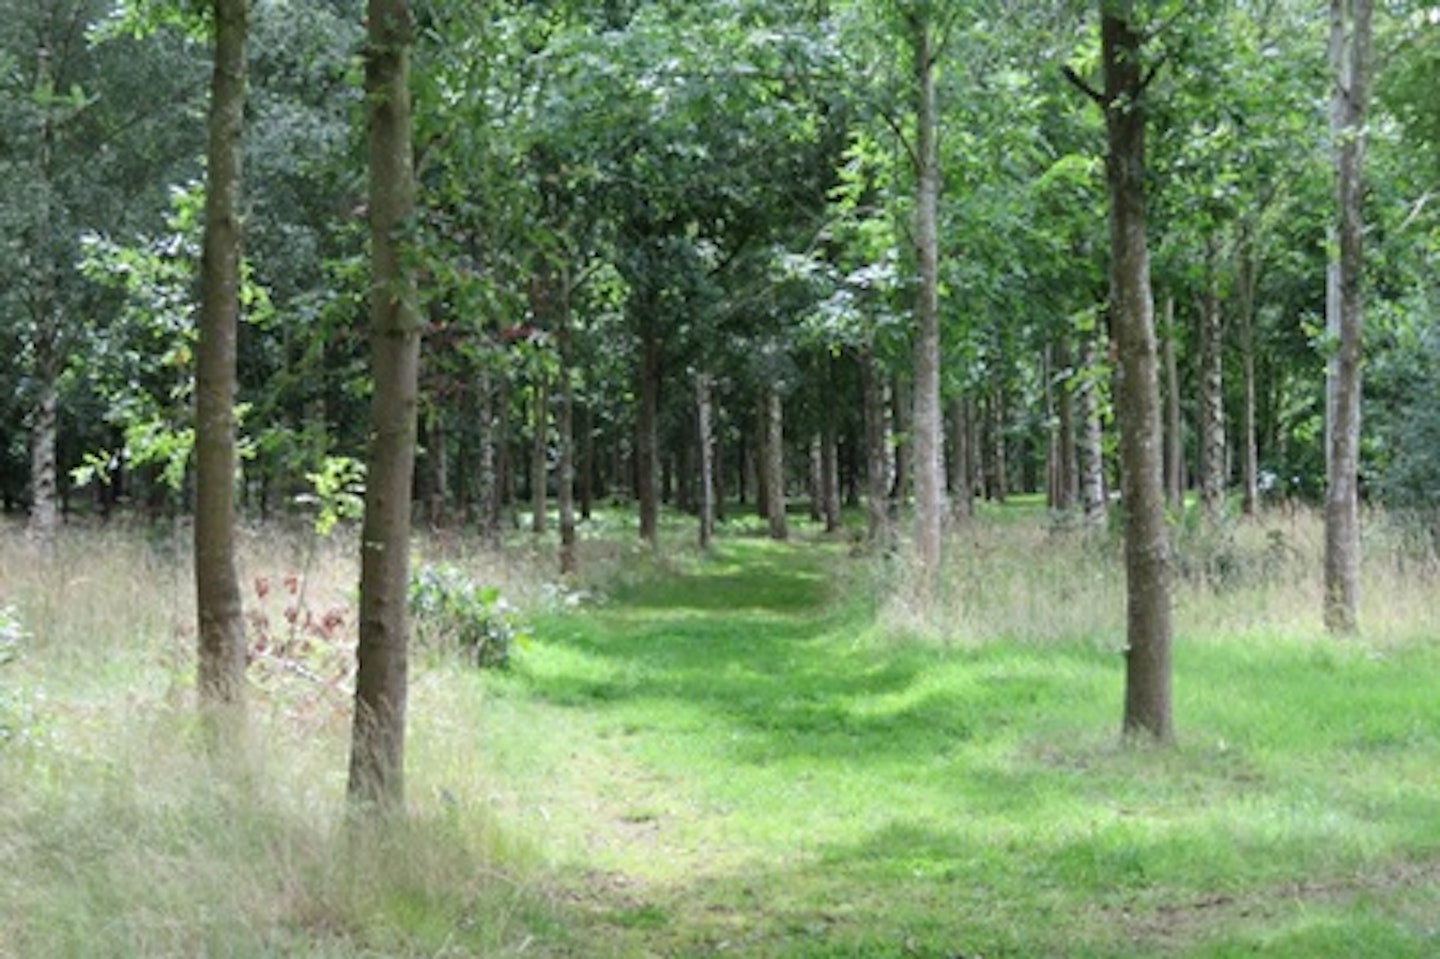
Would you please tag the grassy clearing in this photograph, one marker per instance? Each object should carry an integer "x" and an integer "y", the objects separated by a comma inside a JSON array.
[{"x": 759, "y": 753}]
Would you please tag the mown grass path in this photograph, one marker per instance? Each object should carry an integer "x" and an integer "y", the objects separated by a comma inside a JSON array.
[{"x": 726, "y": 759}]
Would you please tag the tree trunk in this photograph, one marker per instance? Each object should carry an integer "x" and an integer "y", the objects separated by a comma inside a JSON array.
[
  {"x": 704, "y": 422},
  {"x": 1245, "y": 310},
  {"x": 647, "y": 434},
  {"x": 998, "y": 478},
  {"x": 490, "y": 441},
  {"x": 587, "y": 462},
  {"x": 774, "y": 465},
  {"x": 539, "y": 454},
  {"x": 1350, "y": 63},
  {"x": 928, "y": 423},
  {"x": 1147, "y": 547},
  {"x": 44, "y": 478},
  {"x": 377, "y": 756},
  {"x": 565, "y": 479},
  {"x": 962, "y": 459},
  {"x": 1092, "y": 434},
  {"x": 829, "y": 470},
  {"x": 901, "y": 410},
  {"x": 1068, "y": 482},
  {"x": 876, "y": 449},
  {"x": 1174, "y": 438},
  {"x": 437, "y": 459},
  {"x": 1212, "y": 393},
  {"x": 221, "y": 624}
]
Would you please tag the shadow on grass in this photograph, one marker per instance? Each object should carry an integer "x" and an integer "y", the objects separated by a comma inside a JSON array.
[{"x": 757, "y": 640}]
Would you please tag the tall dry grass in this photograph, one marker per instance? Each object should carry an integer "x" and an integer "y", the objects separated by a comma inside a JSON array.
[
  {"x": 1263, "y": 577},
  {"x": 119, "y": 836}
]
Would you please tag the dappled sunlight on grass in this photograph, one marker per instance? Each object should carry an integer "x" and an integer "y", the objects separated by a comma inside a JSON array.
[{"x": 736, "y": 753}]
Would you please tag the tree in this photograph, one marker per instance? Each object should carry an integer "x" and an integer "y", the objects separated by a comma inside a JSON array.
[
  {"x": 929, "y": 423},
  {"x": 377, "y": 756},
  {"x": 222, "y": 648},
  {"x": 1350, "y": 63},
  {"x": 1147, "y": 546}
]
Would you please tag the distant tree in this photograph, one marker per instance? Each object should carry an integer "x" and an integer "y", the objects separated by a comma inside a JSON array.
[{"x": 377, "y": 756}]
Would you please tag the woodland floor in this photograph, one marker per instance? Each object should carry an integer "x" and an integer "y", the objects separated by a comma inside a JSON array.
[
  {"x": 725, "y": 760},
  {"x": 755, "y": 753}
]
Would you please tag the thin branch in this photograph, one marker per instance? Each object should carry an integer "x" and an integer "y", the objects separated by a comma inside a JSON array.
[{"x": 1086, "y": 88}]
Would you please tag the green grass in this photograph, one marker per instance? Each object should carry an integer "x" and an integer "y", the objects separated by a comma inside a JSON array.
[
  {"x": 741, "y": 754},
  {"x": 765, "y": 772}
]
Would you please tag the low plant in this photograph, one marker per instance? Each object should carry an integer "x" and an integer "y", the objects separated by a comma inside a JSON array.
[{"x": 452, "y": 612}]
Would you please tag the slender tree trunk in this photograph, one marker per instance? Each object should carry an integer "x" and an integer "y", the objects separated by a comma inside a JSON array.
[
  {"x": 221, "y": 628},
  {"x": 490, "y": 453},
  {"x": 962, "y": 459},
  {"x": 774, "y": 465},
  {"x": 1147, "y": 546},
  {"x": 876, "y": 449},
  {"x": 1174, "y": 438},
  {"x": 704, "y": 422},
  {"x": 44, "y": 470},
  {"x": 1245, "y": 308},
  {"x": 928, "y": 424},
  {"x": 999, "y": 475},
  {"x": 1092, "y": 437},
  {"x": 829, "y": 472},
  {"x": 1350, "y": 61},
  {"x": 588, "y": 463},
  {"x": 647, "y": 438},
  {"x": 901, "y": 408},
  {"x": 504, "y": 455},
  {"x": 377, "y": 757},
  {"x": 565, "y": 480},
  {"x": 1068, "y": 488},
  {"x": 539, "y": 455},
  {"x": 1212, "y": 393},
  {"x": 437, "y": 458}
]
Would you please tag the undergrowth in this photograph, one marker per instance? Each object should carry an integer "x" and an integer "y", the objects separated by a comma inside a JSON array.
[{"x": 762, "y": 751}]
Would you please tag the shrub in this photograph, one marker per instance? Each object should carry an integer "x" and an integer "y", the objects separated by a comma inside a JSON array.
[{"x": 453, "y": 613}]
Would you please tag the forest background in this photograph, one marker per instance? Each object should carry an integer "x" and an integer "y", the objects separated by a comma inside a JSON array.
[{"x": 717, "y": 256}]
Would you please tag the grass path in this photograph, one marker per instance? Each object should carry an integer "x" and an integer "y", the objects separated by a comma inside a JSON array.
[{"x": 725, "y": 760}]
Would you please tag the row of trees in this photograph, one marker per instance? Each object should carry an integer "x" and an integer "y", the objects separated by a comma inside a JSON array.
[{"x": 709, "y": 252}]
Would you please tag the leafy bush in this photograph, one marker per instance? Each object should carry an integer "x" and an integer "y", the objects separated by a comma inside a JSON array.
[{"x": 452, "y": 612}]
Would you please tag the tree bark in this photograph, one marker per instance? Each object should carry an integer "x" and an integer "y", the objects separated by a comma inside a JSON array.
[
  {"x": 1245, "y": 313},
  {"x": 928, "y": 423},
  {"x": 1174, "y": 438},
  {"x": 877, "y": 480},
  {"x": 539, "y": 454},
  {"x": 829, "y": 465},
  {"x": 1147, "y": 547},
  {"x": 774, "y": 465},
  {"x": 962, "y": 459},
  {"x": 1068, "y": 482},
  {"x": 377, "y": 756},
  {"x": 565, "y": 468},
  {"x": 44, "y": 471},
  {"x": 490, "y": 442},
  {"x": 1212, "y": 393},
  {"x": 221, "y": 624},
  {"x": 1350, "y": 61},
  {"x": 647, "y": 434},
  {"x": 704, "y": 422}
]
